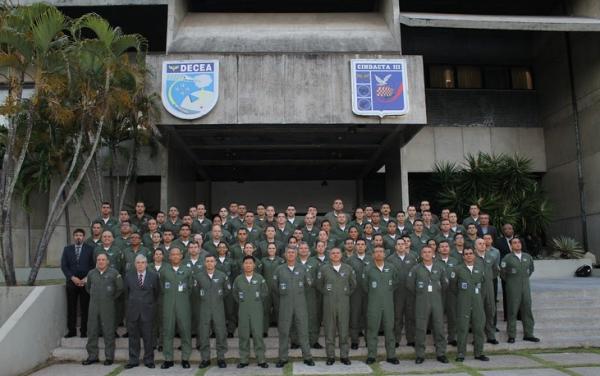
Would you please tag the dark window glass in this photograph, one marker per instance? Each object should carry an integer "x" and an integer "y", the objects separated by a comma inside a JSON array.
[
  {"x": 441, "y": 76},
  {"x": 469, "y": 77},
  {"x": 496, "y": 78}
]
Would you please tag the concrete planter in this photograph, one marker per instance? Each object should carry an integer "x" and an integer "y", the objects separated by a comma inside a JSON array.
[{"x": 557, "y": 268}]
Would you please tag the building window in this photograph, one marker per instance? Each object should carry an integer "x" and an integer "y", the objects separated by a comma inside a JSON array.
[
  {"x": 496, "y": 78},
  {"x": 442, "y": 77},
  {"x": 469, "y": 77},
  {"x": 521, "y": 78}
]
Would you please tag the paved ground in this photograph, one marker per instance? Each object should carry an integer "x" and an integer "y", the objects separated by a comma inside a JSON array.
[{"x": 583, "y": 362}]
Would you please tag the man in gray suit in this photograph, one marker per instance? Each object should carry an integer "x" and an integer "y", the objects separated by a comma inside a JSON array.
[{"x": 143, "y": 288}]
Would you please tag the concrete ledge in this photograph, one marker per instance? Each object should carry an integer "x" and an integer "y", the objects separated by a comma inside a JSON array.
[
  {"x": 545, "y": 269},
  {"x": 10, "y": 299},
  {"x": 30, "y": 334}
]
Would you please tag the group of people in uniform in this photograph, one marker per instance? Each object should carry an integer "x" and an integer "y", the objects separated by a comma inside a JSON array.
[{"x": 372, "y": 274}]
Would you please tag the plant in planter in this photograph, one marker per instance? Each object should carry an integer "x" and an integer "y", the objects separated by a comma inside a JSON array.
[{"x": 568, "y": 247}]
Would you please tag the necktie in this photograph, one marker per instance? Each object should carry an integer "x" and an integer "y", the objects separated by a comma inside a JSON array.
[
  {"x": 141, "y": 280},
  {"x": 77, "y": 253}
]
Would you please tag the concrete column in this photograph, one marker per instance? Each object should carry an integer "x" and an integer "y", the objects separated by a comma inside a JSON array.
[
  {"x": 393, "y": 177},
  {"x": 404, "y": 179}
]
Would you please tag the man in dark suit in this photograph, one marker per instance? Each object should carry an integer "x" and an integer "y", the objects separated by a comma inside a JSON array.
[
  {"x": 142, "y": 288},
  {"x": 77, "y": 260},
  {"x": 484, "y": 226}
]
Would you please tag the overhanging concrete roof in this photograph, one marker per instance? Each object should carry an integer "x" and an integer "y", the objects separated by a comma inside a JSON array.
[{"x": 474, "y": 21}]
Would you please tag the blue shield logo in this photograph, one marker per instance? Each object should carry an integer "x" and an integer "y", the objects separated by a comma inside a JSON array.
[
  {"x": 379, "y": 87},
  {"x": 190, "y": 89}
]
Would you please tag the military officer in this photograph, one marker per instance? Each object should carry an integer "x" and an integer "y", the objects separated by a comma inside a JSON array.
[
  {"x": 176, "y": 280},
  {"x": 116, "y": 260},
  {"x": 467, "y": 281},
  {"x": 418, "y": 238},
  {"x": 379, "y": 280},
  {"x": 449, "y": 296},
  {"x": 290, "y": 280},
  {"x": 229, "y": 267},
  {"x": 104, "y": 285},
  {"x": 314, "y": 302},
  {"x": 271, "y": 301},
  {"x": 515, "y": 269},
  {"x": 489, "y": 302},
  {"x": 358, "y": 300},
  {"x": 427, "y": 281},
  {"x": 336, "y": 282},
  {"x": 211, "y": 286},
  {"x": 404, "y": 312},
  {"x": 250, "y": 290}
]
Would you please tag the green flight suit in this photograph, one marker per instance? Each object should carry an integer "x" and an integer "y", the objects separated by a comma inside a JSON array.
[
  {"x": 196, "y": 267},
  {"x": 468, "y": 287},
  {"x": 417, "y": 242},
  {"x": 176, "y": 287},
  {"x": 178, "y": 243},
  {"x": 229, "y": 267},
  {"x": 515, "y": 274},
  {"x": 358, "y": 299},
  {"x": 116, "y": 261},
  {"x": 431, "y": 231},
  {"x": 93, "y": 243},
  {"x": 336, "y": 288},
  {"x": 201, "y": 227},
  {"x": 121, "y": 242},
  {"x": 211, "y": 293},
  {"x": 147, "y": 240},
  {"x": 428, "y": 289},
  {"x": 389, "y": 243},
  {"x": 449, "y": 297},
  {"x": 338, "y": 234},
  {"x": 290, "y": 285},
  {"x": 104, "y": 289},
  {"x": 173, "y": 226},
  {"x": 261, "y": 248},
  {"x": 282, "y": 235},
  {"x": 310, "y": 236},
  {"x": 380, "y": 285},
  {"x": 314, "y": 302},
  {"x": 404, "y": 300},
  {"x": 107, "y": 225},
  {"x": 250, "y": 297},
  {"x": 271, "y": 301},
  {"x": 236, "y": 252},
  {"x": 489, "y": 299},
  {"x": 129, "y": 256}
]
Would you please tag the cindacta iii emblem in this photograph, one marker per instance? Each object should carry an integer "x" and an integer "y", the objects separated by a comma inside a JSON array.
[
  {"x": 379, "y": 87},
  {"x": 190, "y": 89}
]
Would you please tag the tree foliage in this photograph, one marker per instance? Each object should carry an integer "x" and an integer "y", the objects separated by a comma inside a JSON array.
[{"x": 503, "y": 186}]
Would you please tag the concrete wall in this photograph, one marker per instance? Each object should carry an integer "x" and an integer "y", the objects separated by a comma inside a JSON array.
[
  {"x": 557, "y": 118},
  {"x": 301, "y": 193},
  {"x": 10, "y": 299},
  {"x": 33, "y": 330},
  {"x": 291, "y": 89}
]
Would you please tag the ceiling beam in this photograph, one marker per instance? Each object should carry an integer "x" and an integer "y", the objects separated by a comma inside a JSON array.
[
  {"x": 282, "y": 162},
  {"x": 283, "y": 146}
]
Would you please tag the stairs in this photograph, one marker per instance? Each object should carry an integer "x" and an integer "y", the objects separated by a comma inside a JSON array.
[{"x": 564, "y": 311}]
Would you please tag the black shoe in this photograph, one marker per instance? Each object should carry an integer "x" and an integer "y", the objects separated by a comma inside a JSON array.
[
  {"x": 130, "y": 365},
  {"x": 309, "y": 362},
  {"x": 229, "y": 335},
  {"x": 294, "y": 346},
  {"x": 493, "y": 341},
  {"x": 511, "y": 340},
  {"x": 221, "y": 363},
  {"x": 281, "y": 363},
  {"x": 442, "y": 359},
  {"x": 185, "y": 364},
  {"x": 419, "y": 360},
  {"x": 483, "y": 358},
  {"x": 265, "y": 335},
  {"x": 83, "y": 335},
  {"x": 150, "y": 365},
  {"x": 263, "y": 365},
  {"x": 166, "y": 364},
  {"x": 354, "y": 346},
  {"x": 531, "y": 339},
  {"x": 397, "y": 344},
  {"x": 108, "y": 362},
  {"x": 159, "y": 348},
  {"x": 213, "y": 335},
  {"x": 330, "y": 361},
  {"x": 497, "y": 330},
  {"x": 393, "y": 360},
  {"x": 88, "y": 361},
  {"x": 380, "y": 333},
  {"x": 242, "y": 365},
  {"x": 460, "y": 359},
  {"x": 361, "y": 334},
  {"x": 204, "y": 364},
  {"x": 428, "y": 331},
  {"x": 370, "y": 360},
  {"x": 453, "y": 343},
  {"x": 317, "y": 345},
  {"x": 345, "y": 361},
  {"x": 410, "y": 344},
  {"x": 126, "y": 335},
  {"x": 70, "y": 335},
  {"x": 117, "y": 335}
]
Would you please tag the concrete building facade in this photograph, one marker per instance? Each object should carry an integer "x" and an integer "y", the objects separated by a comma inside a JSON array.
[{"x": 502, "y": 77}]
